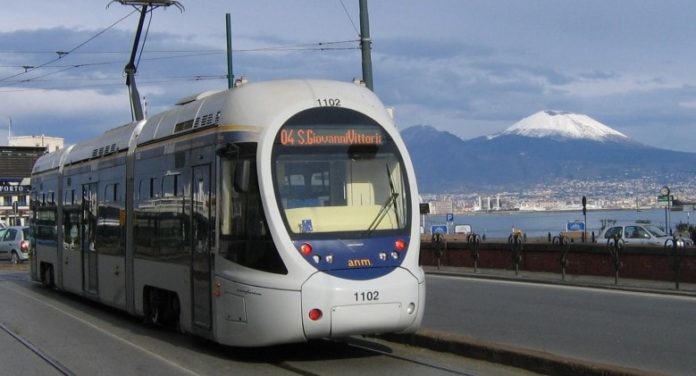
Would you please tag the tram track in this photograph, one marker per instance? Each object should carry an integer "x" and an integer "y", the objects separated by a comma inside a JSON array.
[
  {"x": 350, "y": 350},
  {"x": 54, "y": 363},
  {"x": 369, "y": 346}
]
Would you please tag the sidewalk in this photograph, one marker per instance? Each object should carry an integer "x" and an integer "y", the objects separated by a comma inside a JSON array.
[{"x": 590, "y": 281}]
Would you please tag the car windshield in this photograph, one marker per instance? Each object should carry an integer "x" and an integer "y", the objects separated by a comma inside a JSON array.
[{"x": 655, "y": 231}]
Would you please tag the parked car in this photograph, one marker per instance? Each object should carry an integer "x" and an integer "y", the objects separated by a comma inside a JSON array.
[
  {"x": 15, "y": 243},
  {"x": 639, "y": 234}
]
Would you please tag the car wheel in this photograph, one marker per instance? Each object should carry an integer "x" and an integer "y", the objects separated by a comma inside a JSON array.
[{"x": 15, "y": 258}]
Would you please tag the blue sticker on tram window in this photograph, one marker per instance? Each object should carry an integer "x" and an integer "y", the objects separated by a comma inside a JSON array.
[{"x": 307, "y": 225}]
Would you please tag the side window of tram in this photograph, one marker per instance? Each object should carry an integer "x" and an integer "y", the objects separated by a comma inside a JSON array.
[
  {"x": 245, "y": 238},
  {"x": 46, "y": 224},
  {"x": 109, "y": 225}
]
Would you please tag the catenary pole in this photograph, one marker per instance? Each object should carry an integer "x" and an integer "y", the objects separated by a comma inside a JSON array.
[
  {"x": 366, "y": 45},
  {"x": 230, "y": 74}
]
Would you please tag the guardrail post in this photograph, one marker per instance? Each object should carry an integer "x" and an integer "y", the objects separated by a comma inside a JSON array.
[
  {"x": 439, "y": 247},
  {"x": 515, "y": 241},
  {"x": 564, "y": 244},
  {"x": 474, "y": 242},
  {"x": 675, "y": 246},
  {"x": 616, "y": 246}
]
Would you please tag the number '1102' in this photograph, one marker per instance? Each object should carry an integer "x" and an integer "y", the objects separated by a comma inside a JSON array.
[
  {"x": 366, "y": 296},
  {"x": 329, "y": 102}
]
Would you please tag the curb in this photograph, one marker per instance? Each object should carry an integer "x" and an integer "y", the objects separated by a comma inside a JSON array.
[
  {"x": 543, "y": 281},
  {"x": 532, "y": 360}
]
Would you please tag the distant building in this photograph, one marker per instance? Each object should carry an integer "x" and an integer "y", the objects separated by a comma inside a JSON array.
[
  {"x": 440, "y": 207},
  {"x": 49, "y": 143},
  {"x": 16, "y": 163}
]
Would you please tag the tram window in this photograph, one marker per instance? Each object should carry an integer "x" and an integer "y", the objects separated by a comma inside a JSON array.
[
  {"x": 110, "y": 192},
  {"x": 46, "y": 224},
  {"x": 71, "y": 222},
  {"x": 109, "y": 232},
  {"x": 153, "y": 188},
  {"x": 170, "y": 184},
  {"x": 245, "y": 238},
  {"x": 69, "y": 198}
]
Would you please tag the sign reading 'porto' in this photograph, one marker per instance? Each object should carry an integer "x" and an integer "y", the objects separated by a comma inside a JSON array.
[
  {"x": 311, "y": 136},
  {"x": 15, "y": 189}
]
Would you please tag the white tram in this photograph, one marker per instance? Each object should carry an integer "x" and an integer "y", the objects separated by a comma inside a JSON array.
[{"x": 270, "y": 213}]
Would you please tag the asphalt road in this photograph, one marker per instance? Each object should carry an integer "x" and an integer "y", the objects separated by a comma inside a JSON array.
[
  {"x": 46, "y": 332},
  {"x": 644, "y": 331}
]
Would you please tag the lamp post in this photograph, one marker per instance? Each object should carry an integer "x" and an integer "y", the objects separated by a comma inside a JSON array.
[{"x": 664, "y": 192}]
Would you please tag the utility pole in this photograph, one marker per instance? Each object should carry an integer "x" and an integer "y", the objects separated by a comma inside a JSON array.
[
  {"x": 230, "y": 74},
  {"x": 366, "y": 45}
]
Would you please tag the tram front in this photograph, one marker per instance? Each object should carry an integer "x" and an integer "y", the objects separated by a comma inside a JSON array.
[{"x": 342, "y": 190}]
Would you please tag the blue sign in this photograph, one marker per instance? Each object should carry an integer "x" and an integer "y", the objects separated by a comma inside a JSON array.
[
  {"x": 575, "y": 226},
  {"x": 450, "y": 217},
  {"x": 438, "y": 229},
  {"x": 307, "y": 225}
]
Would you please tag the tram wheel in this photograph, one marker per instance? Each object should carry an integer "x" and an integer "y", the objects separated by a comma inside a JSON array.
[
  {"x": 47, "y": 275},
  {"x": 154, "y": 311}
]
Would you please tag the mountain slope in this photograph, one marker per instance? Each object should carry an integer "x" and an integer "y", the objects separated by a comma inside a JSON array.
[
  {"x": 553, "y": 148},
  {"x": 556, "y": 124}
]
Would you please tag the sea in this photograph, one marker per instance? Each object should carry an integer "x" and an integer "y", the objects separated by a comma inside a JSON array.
[{"x": 541, "y": 223}]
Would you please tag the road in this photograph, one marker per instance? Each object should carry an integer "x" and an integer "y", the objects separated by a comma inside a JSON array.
[
  {"x": 46, "y": 332},
  {"x": 650, "y": 332}
]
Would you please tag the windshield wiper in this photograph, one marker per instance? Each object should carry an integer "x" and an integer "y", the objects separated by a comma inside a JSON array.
[{"x": 385, "y": 207}]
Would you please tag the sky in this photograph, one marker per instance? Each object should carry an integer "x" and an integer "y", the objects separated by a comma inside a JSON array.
[{"x": 468, "y": 67}]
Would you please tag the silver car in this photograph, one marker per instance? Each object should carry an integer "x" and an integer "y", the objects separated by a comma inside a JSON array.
[
  {"x": 639, "y": 234},
  {"x": 15, "y": 243}
]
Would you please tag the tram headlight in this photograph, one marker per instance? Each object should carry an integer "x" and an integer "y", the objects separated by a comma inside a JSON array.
[
  {"x": 383, "y": 256},
  {"x": 316, "y": 258},
  {"x": 395, "y": 255},
  {"x": 329, "y": 259}
]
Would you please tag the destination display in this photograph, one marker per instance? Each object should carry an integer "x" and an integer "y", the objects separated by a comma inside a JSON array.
[{"x": 325, "y": 136}]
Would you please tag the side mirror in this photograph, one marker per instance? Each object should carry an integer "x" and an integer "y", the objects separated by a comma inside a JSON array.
[{"x": 242, "y": 175}]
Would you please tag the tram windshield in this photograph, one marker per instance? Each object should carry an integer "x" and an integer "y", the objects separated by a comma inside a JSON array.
[{"x": 336, "y": 170}]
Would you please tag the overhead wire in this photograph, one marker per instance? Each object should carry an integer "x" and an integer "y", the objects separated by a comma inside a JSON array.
[
  {"x": 61, "y": 54},
  {"x": 316, "y": 46},
  {"x": 349, "y": 17}
]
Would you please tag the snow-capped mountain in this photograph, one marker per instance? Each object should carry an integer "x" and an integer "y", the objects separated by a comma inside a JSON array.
[
  {"x": 544, "y": 147},
  {"x": 558, "y": 124}
]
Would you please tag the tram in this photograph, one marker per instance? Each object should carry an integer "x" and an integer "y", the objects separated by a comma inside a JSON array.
[{"x": 272, "y": 212}]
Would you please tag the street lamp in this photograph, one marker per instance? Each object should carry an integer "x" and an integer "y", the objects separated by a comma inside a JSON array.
[{"x": 664, "y": 192}]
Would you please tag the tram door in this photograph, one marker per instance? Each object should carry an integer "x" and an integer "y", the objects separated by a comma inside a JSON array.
[
  {"x": 200, "y": 236},
  {"x": 88, "y": 246}
]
